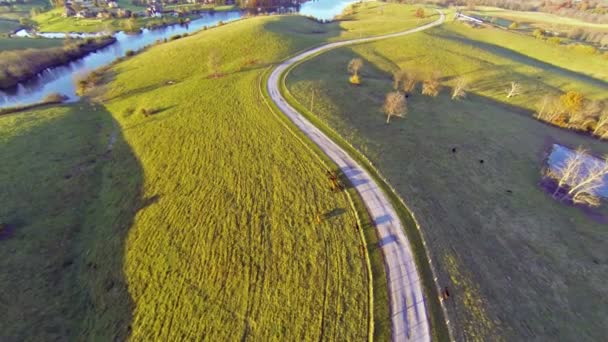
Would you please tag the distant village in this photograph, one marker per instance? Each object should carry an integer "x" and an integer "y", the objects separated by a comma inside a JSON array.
[{"x": 105, "y": 9}]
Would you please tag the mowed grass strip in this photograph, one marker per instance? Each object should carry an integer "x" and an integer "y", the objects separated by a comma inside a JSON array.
[
  {"x": 242, "y": 236},
  {"x": 518, "y": 264}
]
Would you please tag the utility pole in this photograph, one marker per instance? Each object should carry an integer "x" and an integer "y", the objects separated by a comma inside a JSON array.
[{"x": 312, "y": 98}]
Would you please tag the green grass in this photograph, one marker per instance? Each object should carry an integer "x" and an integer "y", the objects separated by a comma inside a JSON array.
[
  {"x": 519, "y": 265},
  {"x": 7, "y": 44},
  {"x": 52, "y": 159},
  {"x": 535, "y": 17},
  {"x": 197, "y": 220},
  {"x": 377, "y": 18},
  {"x": 17, "y": 11},
  {"x": 231, "y": 219},
  {"x": 8, "y": 26},
  {"x": 53, "y": 21},
  {"x": 593, "y": 65}
]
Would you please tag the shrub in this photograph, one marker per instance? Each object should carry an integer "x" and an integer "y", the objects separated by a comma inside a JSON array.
[
  {"x": 572, "y": 101},
  {"x": 555, "y": 40},
  {"x": 588, "y": 49},
  {"x": 54, "y": 98},
  {"x": 130, "y": 53},
  {"x": 354, "y": 79},
  {"x": 514, "y": 26},
  {"x": 539, "y": 34}
]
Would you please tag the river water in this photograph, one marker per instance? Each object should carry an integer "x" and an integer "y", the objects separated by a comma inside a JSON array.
[{"x": 61, "y": 79}]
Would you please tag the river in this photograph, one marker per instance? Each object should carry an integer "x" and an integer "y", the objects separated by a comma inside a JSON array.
[{"x": 61, "y": 79}]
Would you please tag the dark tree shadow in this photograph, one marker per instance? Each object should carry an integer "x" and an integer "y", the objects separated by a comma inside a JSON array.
[{"x": 67, "y": 280}]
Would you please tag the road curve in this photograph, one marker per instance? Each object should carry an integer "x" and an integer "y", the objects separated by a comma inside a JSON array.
[{"x": 409, "y": 317}]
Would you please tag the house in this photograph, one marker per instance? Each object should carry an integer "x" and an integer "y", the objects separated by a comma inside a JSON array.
[
  {"x": 463, "y": 17},
  {"x": 68, "y": 11},
  {"x": 104, "y": 14},
  {"x": 155, "y": 9},
  {"x": 123, "y": 13},
  {"x": 85, "y": 13}
]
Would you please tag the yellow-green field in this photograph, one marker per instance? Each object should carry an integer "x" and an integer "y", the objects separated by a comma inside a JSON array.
[
  {"x": 519, "y": 265},
  {"x": 536, "y": 17},
  {"x": 172, "y": 204}
]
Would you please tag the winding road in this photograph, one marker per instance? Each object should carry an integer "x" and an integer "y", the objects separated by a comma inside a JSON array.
[{"x": 410, "y": 321}]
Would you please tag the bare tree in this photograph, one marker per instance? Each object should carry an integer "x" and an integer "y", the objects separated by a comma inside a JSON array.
[
  {"x": 214, "y": 62},
  {"x": 394, "y": 105},
  {"x": 409, "y": 79},
  {"x": 580, "y": 176},
  {"x": 514, "y": 91},
  {"x": 354, "y": 66},
  {"x": 602, "y": 125},
  {"x": 398, "y": 76},
  {"x": 586, "y": 114},
  {"x": 549, "y": 109},
  {"x": 584, "y": 191},
  {"x": 431, "y": 85},
  {"x": 460, "y": 88},
  {"x": 567, "y": 172}
]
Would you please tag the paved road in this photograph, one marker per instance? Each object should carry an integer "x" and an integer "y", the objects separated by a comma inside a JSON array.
[{"x": 409, "y": 316}]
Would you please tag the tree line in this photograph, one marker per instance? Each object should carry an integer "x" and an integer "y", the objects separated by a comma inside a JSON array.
[{"x": 593, "y": 11}]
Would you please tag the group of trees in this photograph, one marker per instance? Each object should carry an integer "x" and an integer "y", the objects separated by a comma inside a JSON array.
[
  {"x": 404, "y": 84},
  {"x": 594, "y": 11},
  {"x": 579, "y": 177},
  {"x": 571, "y": 110}
]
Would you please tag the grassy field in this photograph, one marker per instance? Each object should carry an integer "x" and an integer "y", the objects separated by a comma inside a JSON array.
[
  {"x": 16, "y": 11},
  {"x": 8, "y": 26},
  {"x": 542, "y": 52},
  {"x": 53, "y": 21},
  {"x": 183, "y": 208},
  {"x": 518, "y": 264},
  {"x": 8, "y": 44},
  {"x": 52, "y": 162},
  {"x": 535, "y": 17}
]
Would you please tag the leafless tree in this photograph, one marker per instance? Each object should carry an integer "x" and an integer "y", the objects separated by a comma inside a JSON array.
[
  {"x": 584, "y": 191},
  {"x": 514, "y": 91},
  {"x": 460, "y": 88},
  {"x": 214, "y": 62},
  {"x": 581, "y": 176},
  {"x": 549, "y": 109},
  {"x": 602, "y": 125},
  {"x": 398, "y": 76},
  {"x": 431, "y": 85},
  {"x": 586, "y": 115},
  {"x": 354, "y": 66},
  {"x": 409, "y": 80},
  {"x": 567, "y": 172},
  {"x": 394, "y": 105}
]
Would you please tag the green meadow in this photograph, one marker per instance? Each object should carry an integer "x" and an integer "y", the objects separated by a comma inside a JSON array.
[
  {"x": 173, "y": 203},
  {"x": 12, "y": 44},
  {"x": 536, "y": 17},
  {"x": 519, "y": 265}
]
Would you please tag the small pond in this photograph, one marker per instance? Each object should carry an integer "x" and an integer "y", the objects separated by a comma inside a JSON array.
[{"x": 559, "y": 154}]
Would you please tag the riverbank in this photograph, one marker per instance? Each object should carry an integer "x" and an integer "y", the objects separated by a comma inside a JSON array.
[{"x": 20, "y": 66}]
